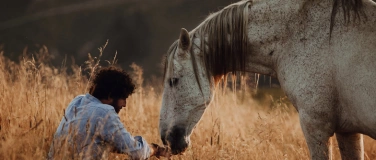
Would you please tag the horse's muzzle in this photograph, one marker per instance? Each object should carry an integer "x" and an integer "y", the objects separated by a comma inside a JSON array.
[{"x": 176, "y": 139}]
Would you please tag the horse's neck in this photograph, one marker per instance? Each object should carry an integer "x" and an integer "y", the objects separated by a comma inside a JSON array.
[
  {"x": 271, "y": 24},
  {"x": 281, "y": 30},
  {"x": 276, "y": 24},
  {"x": 289, "y": 15}
]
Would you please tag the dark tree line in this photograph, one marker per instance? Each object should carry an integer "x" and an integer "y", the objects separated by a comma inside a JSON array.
[{"x": 139, "y": 30}]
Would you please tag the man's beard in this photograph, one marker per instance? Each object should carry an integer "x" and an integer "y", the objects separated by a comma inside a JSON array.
[{"x": 115, "y": 105}]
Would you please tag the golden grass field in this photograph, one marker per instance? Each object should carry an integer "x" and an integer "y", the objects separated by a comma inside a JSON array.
[{"x": 34, "y": 94}]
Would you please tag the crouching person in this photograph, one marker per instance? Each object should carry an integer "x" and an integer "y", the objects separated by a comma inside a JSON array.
[{"x": 91, "y": 127}]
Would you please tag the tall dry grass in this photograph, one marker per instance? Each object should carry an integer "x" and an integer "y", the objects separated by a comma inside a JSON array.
[{"x": 33, "y": 95}]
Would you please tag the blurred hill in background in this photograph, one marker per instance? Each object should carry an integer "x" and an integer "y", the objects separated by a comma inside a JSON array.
[{"x": 139, "y": 30}]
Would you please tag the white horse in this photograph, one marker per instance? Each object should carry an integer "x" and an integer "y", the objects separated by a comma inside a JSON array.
[{"x": 323, "y": 53}]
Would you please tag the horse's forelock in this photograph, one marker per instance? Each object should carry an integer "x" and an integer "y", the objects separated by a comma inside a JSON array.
[{"x": 168, "y": 60}]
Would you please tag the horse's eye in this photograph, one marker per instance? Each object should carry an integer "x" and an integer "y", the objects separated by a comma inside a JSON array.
[{"x": 173, "y": 81}]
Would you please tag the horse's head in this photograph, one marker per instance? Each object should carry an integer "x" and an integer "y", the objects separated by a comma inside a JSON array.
[
  {"x": 187, "y": 92},
  {"x": 217, "y": 46}
]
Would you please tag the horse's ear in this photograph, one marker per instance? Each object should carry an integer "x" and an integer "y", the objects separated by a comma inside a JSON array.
[{"x": 184, "y": 40}]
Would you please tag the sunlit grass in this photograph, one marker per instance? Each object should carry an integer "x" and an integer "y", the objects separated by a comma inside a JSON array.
[{"x": 33, "y": 96}]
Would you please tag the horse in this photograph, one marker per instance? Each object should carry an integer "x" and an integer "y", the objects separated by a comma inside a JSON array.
[{"x": 323, "y": 53}]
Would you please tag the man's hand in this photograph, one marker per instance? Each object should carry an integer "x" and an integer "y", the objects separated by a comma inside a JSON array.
[{"x": 159, "y": 151}]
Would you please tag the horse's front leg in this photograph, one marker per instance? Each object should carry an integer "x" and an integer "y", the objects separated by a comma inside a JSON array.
[
  {"x": 317, "y": 131},
  {"x": 351, "y": 146}
]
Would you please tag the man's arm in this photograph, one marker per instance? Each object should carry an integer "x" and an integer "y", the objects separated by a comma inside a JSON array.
[{"x": 122, "y": 141}]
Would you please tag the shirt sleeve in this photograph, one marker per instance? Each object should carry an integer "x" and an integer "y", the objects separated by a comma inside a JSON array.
[{"x": 114, "y": 133}]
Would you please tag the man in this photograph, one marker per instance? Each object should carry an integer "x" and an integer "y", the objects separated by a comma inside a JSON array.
[{"x": 91, "y": 126}]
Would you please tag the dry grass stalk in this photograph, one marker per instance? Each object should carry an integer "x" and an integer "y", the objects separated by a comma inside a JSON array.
[{"x": 33, "y": 96}]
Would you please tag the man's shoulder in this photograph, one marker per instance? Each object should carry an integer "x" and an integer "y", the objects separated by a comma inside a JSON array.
[
  {"x": 75, "y": 102},
  {"x": 77, "y": 98},
  {"x": 88, "y": 102},
  {"x": 104, "y": 107}
]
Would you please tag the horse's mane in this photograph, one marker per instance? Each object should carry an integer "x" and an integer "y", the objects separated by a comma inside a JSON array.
[
  {"x": 350, "y": 8},
  {"x": 227, "y": 43},
  {"x": 225, "y": 33}
]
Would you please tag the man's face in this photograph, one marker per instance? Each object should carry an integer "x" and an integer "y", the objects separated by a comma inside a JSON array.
[{"x": 118, "y": 104}]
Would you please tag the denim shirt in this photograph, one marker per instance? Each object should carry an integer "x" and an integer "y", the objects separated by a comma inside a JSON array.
[{"x": 89, "y": 129}]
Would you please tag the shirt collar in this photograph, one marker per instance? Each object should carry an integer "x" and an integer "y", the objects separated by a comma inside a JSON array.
[{"x": 92, "y": 98}]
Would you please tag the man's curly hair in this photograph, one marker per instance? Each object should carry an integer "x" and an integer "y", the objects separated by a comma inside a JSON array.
[{"x": 111, "y": 82}]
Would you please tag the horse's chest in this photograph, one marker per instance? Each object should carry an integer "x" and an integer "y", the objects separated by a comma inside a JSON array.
[{"x": 307, "y": 83}]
